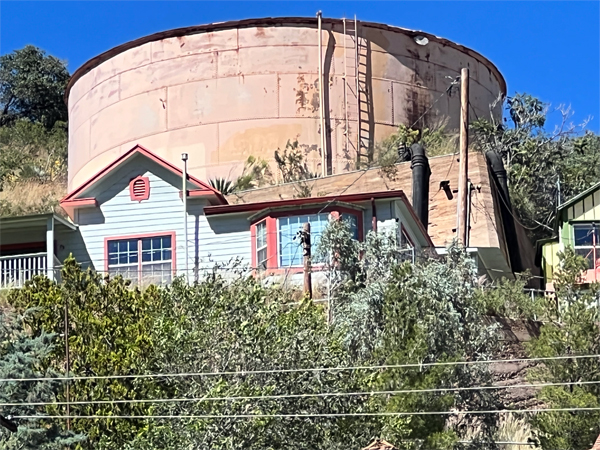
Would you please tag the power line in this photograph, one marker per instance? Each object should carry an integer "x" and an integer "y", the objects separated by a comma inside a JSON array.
[
  {"x": 297, "y": 396},
  {"x": 366, "y": 169},
  {"x": 314, "y": 369},
  {"x": 314, "y": 415}
]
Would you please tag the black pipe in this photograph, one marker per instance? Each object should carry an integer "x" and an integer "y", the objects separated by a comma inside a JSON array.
[
  {"x": 500, "y": 178},
  {"x": 420, "y": 182},
  {"x": 499, "y": 172}
]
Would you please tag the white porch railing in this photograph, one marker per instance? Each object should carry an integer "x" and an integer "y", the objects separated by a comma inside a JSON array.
[{"x": 15, "y": 270}]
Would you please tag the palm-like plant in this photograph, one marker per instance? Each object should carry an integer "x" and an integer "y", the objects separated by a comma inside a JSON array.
[{"x": 223, "y": 185}]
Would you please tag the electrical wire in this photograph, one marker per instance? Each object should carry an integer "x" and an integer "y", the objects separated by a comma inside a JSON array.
[
  {"x": 366, "y": 169},
  {"x": 302, "y": 396},
  {"x": 309, "y": 370},
  {"x": 313, "y": 415}
]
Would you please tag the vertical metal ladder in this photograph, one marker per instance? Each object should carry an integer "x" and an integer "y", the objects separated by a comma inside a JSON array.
[{"x": 357, "y": 98}]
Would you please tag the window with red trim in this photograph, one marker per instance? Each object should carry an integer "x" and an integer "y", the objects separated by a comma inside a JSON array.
[
  {"x": 261, "y": 245},
  {"x": 276, "y": 243},
  {"x": 148, "y": 260},
  {"x": 139, "y": 189}
]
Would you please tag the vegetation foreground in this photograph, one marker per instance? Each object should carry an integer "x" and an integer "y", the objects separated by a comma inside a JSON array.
[{"x": 256, "y": 369}]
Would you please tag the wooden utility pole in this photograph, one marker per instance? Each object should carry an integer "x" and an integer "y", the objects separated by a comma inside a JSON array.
[
  {"x": 306, "y": 253},
  {"x": 462, "y": 225}
]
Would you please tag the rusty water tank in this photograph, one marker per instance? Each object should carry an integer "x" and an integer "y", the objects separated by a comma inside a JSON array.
[{"x": 226, "y": 91}]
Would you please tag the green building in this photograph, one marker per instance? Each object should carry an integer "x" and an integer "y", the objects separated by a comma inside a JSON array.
[{"x": 577, "y": 225}]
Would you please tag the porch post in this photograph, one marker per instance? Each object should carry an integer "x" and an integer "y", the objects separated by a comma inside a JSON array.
[{"x": 50, "y": 248}]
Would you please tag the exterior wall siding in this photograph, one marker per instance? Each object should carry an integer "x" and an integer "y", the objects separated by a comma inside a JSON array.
[
  {"x": 389, "y": 216},
  {"x": 119, "y": 216}
]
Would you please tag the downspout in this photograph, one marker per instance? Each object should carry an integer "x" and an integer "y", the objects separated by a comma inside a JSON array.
[
  {"x": 184, "y": 158},
  {"x": 321, "y": 99},
  {"x": 420, "y": 183}
]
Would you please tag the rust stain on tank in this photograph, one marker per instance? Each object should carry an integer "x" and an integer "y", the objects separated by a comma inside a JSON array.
[
  {"x": 307, "y": 96},
  {"x": 416, "y": 109},
  {"x": 400, "y": 90}
]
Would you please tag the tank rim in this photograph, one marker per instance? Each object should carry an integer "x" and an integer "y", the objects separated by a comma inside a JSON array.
[{"x": 267, "y": 21}]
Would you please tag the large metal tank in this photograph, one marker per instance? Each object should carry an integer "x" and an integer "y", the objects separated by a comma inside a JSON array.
[{"x": 226, "y": 91}]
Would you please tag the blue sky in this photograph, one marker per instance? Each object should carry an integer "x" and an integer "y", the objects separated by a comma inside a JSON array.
[{"x": 548, "y": 49}]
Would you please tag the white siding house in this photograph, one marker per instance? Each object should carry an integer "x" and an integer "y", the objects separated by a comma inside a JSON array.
[{"x": 129, "y": 219}]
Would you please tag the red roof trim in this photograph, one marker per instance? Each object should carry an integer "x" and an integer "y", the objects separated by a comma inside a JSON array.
[
  {"x": 349, "y": 198},
  {"x": 71, "y": 205},
  {"x": 79, "y": 202},
  {"x": 249, "y": 207},
  {"x": 147, "y": 153},
  {"x": 419, "y": 223},
  {"x": 194, "y": 193}
]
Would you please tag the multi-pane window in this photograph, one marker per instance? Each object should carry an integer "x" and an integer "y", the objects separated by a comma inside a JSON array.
[
  {"x": 146, "y": 260},
  {"x": 123, "y": 258},
  {"x": 586, "y": 242},
  {"x": 290, "y": 246},
  {"x": 261, "y": 245}
]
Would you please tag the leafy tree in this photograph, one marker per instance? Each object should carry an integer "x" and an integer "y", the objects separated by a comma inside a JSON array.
[
  {"x": 575, "y": 334},
  {"x": 394, "y": 313},
  {"x": 237, "y": 325},
  {"x": 432, "y": 314},
  {"x": 25, "y": 356},
  {"x": 229, "y": 325},
  {"x": 111, "y": 332},
  {"x": 539, "y": 161},
  {"x": 32, "y": 86},
  {"x": 28, "y": 151},
  {"x": 256, "y": 173}
]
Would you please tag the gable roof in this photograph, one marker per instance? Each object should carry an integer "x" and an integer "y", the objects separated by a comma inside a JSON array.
[
  {"x": 578, "y": 197},
  {"x": 75, "y": 199}
]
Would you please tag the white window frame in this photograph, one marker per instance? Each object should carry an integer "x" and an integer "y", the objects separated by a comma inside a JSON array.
[
  {"x": 262, "y": 225},
  {"x": 166, "y": 275}
]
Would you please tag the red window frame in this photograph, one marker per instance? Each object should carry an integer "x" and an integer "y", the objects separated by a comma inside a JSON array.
[
  {"x": 272, "y": 241},
  {"x": 172, "y": 234},
  {"x": 145, "y": 195}
]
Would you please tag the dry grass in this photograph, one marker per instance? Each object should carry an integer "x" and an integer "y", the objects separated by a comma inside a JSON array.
[
  {"x": 510, "y": 429},
  {"x": 514, "y": 429},
  {"x": 439, "y": 139},
  {"x": 31, "y": 197}
]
